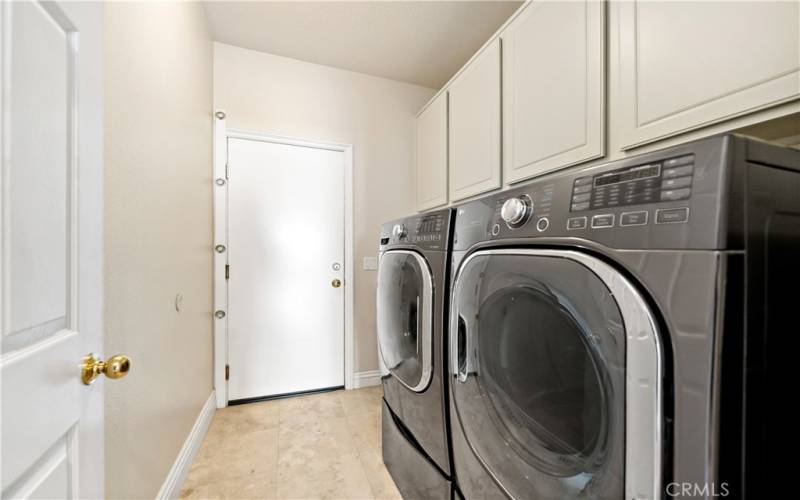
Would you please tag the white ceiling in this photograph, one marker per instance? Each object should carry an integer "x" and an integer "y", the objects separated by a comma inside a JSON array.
[{"x": 422, "y": 42}]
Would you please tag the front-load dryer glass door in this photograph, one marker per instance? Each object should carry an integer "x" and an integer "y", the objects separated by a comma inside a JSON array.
[
  {"x": 539, "y": 362},
  {"x": 405, "y": 317}
]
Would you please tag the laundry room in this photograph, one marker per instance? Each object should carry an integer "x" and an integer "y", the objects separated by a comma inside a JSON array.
[{"x": 395, "y": 249}]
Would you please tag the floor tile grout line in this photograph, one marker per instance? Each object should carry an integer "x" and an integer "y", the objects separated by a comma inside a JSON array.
[
  {"x": 277, "y": 453},
  {"x": 366, "y": 473},
  {"x": 360, "y": 460}
]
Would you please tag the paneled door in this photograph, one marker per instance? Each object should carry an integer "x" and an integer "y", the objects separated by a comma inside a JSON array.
[
  {"x": 680, "y": 66},
  {"x": 431, "y": 154},
  {"x": 474, "y": 126},
  {"x": 553, "y": 91},
  {"x": 52, "y": 248},
  {"x": 286, "y": 299}
]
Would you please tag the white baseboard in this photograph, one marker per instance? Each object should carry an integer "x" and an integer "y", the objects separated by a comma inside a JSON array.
[
  {"x": 177, "y": 474},
  {"x": 366, "y": 379}
]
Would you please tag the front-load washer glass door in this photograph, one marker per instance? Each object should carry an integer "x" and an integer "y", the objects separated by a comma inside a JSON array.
[
  {"x": 405, "y": 317},
  {"x": 539, "y": 358}
]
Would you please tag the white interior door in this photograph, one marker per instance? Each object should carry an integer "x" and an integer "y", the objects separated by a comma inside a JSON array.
[
  {"x": 285, "y": 251},
  {"x": 52, "y": 178}
]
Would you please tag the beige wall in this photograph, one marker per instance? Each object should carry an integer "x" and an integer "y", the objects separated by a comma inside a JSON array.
[
  {"x": 157, "y": 235},
  {"x": 282, "y": 96}
]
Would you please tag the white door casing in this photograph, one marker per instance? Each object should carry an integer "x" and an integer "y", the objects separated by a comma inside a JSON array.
[
  {"x": 52, "y": 206},
  {"x": 283, "y": 216}
]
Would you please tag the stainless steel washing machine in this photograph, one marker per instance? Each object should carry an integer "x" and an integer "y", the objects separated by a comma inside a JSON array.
[
  {"x": 612, "y": 327},
  {"x": 411, "y": 310}
]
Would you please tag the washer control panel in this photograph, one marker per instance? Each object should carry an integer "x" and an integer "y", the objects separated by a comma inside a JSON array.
[
  {"x": 429, "y": 228},
  {"x": 427, "y": 231},
  {"x": 667, "y": 180}
]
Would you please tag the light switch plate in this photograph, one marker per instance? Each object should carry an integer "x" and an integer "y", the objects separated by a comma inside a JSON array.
[{"x": 370, "y": 264}]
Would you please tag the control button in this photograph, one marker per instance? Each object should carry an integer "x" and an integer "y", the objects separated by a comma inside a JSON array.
[
  {"x": 676, "y": 162},
  {"x": 672, "y": 215},
  {"x": 576, "y": 223},
  {"x": 576, "y": 207},
  {"x": 542, "y": 224},
  {"x": 495, "y": 229},
  {"x": 579, "y": 198},
  {"x": 399, "y": 231},
  {"x": 675, "y": 194},
  {"x": 602, "y": 221},
  {"x": 516, "y": 211},
  {"x": 677, "y": 182},
  {"x": 633, "y": 218},
  {"x": 677, "y": 171},
  {"x": 582, "y": 189},
  {"x": 582, "y": 181}
]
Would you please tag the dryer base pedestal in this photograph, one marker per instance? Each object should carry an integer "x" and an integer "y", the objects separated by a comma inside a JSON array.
[{"x": 413, "y": 473}]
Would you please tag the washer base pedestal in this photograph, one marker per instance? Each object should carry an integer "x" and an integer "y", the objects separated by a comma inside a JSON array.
[{"x": 413, "y": 472}]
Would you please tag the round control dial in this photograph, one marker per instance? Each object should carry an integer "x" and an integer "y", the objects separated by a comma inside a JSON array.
[
  {"x": 516, "y": 211},
  {"x": 399, "y": 231}
]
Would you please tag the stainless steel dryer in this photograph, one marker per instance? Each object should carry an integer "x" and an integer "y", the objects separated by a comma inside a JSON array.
[
  {"x": 411, "y": 309},
  {"x": 613, "y": 328}
]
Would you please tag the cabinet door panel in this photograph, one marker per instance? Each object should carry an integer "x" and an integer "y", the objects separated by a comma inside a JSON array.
[
  {"x": 553, "y": 97},
  {"x": 475, "y": 126},
  {"x": 431, "y": 155},
  {"x": 685, "y": 65}
]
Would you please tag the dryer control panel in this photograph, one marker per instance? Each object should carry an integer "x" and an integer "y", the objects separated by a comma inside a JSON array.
[
  {"x": 667, "y": 180},
  {"x": 672, "y": 198}
]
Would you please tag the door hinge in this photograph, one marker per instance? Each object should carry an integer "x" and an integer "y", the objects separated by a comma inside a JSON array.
[
  {"x": 227, "y": 271},
  {"x": 227, "y": 372},
  {"x": 227, "y": 170}
]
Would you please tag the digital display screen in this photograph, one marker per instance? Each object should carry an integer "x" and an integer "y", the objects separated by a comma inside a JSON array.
[
  {"x": 633, "y": 174},
  {"x": 429, "y": 225}
]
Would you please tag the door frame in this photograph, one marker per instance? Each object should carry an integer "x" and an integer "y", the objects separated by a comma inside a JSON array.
[{"x": 219, "y": 183}]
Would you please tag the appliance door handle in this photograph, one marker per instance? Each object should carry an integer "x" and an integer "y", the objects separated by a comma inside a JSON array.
[
  {"x": 420, "y": 341},
  {"x": 461, "y": 350}
]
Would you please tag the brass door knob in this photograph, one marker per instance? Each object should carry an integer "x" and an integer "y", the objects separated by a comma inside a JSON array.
[
  {"x": 336, "y": 283},
  {"x": 114, "y": 367}
]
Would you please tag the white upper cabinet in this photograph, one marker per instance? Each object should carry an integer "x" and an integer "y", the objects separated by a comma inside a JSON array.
[
  {"x": 685, "y": 65},
  {"x": 553, "y": 87},
  {"x": 475, "y": 126},
  {"x": 431, "y": 154}
]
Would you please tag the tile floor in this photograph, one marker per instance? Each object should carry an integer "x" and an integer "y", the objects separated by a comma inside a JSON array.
[{"x": 320, "y": 446}]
